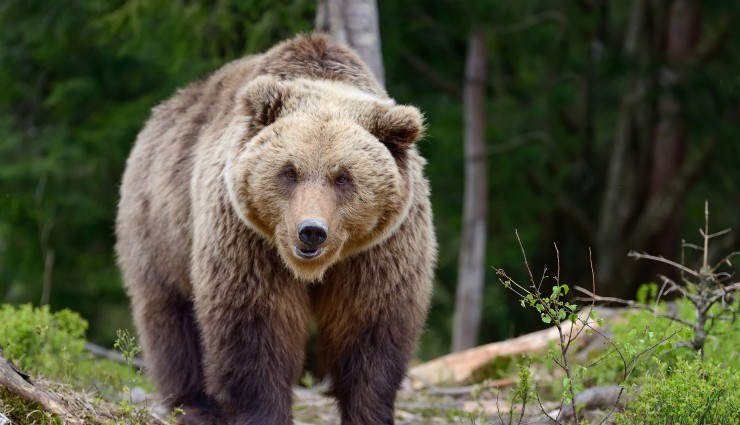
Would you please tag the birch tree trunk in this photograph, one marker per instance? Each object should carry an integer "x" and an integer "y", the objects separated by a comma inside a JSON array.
[
  {"x": 355, "y": 23},
  {"x": 471, "y": 265}
]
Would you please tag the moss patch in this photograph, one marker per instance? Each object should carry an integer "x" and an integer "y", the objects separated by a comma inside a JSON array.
[
  {"x": 497, "y": 368},
  {"x": 22, "y": 411}
]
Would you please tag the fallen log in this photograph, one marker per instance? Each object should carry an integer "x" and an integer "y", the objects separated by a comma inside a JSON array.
[
  {"x": 20, "y": 383},
  {"x": 67, "y": 405},
  {"x": 456, "y": 368}
]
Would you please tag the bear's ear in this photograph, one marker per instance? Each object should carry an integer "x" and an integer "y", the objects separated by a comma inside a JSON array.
[
  {"x": 262, "y": 100},
  {"x": 398, "y": 128}
]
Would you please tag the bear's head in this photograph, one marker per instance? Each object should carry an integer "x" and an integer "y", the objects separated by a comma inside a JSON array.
[{"x": 320, "y": 168}]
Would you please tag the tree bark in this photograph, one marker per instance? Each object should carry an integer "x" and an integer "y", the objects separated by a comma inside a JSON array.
[
  {"x": 354, "y": 22},
  {"x": 670, "y": 144},
  {"x": 471, "y": 265}
]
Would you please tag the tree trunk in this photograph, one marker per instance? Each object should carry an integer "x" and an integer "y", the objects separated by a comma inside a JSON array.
[
  {"x": 647, "y": 178},
  {"x": 669, "y": 148},
  {"x": 471, "y": 265},
  {"x": 354, "y": 22},
  {"x": 621, "y": 192}
]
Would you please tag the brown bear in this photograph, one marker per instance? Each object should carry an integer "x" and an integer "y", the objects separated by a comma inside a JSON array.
[{"x": 285, "y": 187}]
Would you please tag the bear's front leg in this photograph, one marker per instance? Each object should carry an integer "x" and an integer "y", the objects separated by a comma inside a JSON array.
[
  {"x": 254, "y": 319},
  {"x": 370, "y": 313}
]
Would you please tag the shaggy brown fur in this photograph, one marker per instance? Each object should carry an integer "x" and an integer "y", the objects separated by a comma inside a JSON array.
[{"x": 212, "y": 241}]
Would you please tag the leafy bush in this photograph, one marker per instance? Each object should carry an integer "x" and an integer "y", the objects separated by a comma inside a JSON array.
[
  {"x": 640, "y": 329},
  {"x": 40, "y": 341},
  {"x": 691, "y": 392},
  {"x": 52, "y": 344}
]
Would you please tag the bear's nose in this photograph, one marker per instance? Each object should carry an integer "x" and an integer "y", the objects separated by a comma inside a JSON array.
[{"x": 312, "y": 232}]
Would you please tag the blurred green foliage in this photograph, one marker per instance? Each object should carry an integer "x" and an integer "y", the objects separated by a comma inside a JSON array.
[
  {"x": 641, "y": 331},
  {"x": 42, "y": 342},
  {"x": 691, "y": 392},
  {"x": 78, "y": 78}
]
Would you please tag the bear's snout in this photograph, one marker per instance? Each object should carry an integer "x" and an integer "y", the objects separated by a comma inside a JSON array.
[{"x": 312, "y": 233}]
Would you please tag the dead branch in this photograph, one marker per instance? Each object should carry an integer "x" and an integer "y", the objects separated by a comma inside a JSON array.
[
  {"x": 661, "y": 259},
  {"x": 632, "y": 304}
]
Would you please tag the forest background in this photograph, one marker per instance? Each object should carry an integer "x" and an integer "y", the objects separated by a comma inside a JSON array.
[{"x": 607, "y": 124}]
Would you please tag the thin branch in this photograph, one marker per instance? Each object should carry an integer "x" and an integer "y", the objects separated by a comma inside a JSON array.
[
  {"x": 524, "y": 254},
  {"x": 725, "y": 259},
  {"x": 714, "y": 235},
  {"x": 705, "y": 264},
  {"x": 630, "y": 303},
  {"x": 685, "y": 244},
  {"x": 673, "y": 286},
  {"x": 661, "y": 259}
]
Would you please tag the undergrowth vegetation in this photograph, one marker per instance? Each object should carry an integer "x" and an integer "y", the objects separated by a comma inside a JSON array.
[
  {"x": 672, "y": 361},
  {"x": 50, "y": 345},
  {"x": 686, "y": 392}
]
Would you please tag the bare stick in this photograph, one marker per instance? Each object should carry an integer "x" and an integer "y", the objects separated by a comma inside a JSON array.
[
  {"x": 638, "y": 256},
  {"x": 630, "y": 303}
]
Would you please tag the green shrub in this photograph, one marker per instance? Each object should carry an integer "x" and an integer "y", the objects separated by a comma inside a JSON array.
[
  {"x": 40, "y": 341},
  {"x": 641, "y": 329},
  {"x": 689, "y": 393},
  {"x": 52, "y": 344}
]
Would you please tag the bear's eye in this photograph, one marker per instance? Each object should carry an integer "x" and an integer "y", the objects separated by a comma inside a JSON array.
[
  {"x": 290, "y": 174},
  {"x": 342, "y": 180}
]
